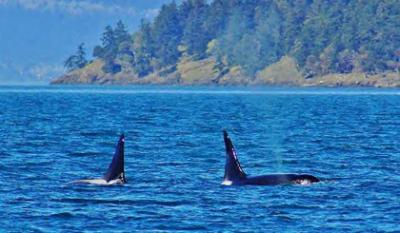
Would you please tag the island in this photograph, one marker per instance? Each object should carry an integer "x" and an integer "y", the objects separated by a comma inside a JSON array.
[{"x": 253, "y": 42}]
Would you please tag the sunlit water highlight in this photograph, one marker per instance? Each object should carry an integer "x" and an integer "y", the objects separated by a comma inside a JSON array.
[{"x": 51, "y": 136}]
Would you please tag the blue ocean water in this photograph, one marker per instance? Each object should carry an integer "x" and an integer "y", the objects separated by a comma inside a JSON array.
[{"x": 175, "y": 158}]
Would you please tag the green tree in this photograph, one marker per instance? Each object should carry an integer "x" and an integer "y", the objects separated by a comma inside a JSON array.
[
  {"x": 195, "y": 36},
  {"x": 237, "y": 26},
  {"x": 268, "y": 33},
  {"x": 167, "y": 34},
  {"x": 109, "y": 43},
  {"x": 143, "y": 49},
  {"x": 110, "y": 49},
  {"x": 121, "y": 34},
  {"x": 323, "y": 36},
  {"x": 77, "y": 60},
  {"x": 216, "y": 18}
]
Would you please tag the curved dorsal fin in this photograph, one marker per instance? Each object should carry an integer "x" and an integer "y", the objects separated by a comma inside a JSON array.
[
  {"x": 116, "y": 169},
  {"x": 233, "y": 170}
]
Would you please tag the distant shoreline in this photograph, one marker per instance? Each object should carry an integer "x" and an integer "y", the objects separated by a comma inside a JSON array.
[
  {"x": 331, "y": 81},
  {"x": 202, "y": 73},
  {"x": 218, "y": 90}
]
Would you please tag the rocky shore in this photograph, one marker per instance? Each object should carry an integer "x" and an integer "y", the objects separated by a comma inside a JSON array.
[{"x": 203, "y": 72}]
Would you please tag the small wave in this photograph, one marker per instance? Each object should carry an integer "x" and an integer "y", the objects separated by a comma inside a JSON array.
[
  {"x": 19, "y": 200},
  {"x": 211, "y": 160},
  {"x": 175, "y": 164},
  {"x": 181, "y": 228},
  {"x": 284, "y": 217},
  {"x": 123, "y": 202},
  {"x": 82, "y": 154},
  {"x": 96, "y": 133},
  {"x": 63, "y": 215}
]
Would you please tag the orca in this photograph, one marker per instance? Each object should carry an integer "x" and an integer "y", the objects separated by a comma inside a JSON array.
[
  {"x": 235, "y": 175},
  {"x": 116, "y": 170}
]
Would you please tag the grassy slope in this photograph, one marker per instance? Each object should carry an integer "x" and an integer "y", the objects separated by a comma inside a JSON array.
[{"x": 203, "y": 72}]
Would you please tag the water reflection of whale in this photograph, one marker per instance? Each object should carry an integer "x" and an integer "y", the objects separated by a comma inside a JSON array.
[
  {"x": 234, "y": 174},
  {"x": 116, "y": 171}
]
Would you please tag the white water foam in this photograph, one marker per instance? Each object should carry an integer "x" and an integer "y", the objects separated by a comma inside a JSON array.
[
  {"x": 303, "y": 182},
  {"x": 227, "y": 182},
  {"x": 99, "y": 182}
]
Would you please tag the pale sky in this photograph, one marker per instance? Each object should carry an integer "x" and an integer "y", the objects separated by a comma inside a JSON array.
[{"x": 36, "y": 36}]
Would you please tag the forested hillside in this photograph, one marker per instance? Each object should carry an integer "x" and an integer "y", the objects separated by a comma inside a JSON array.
[{"x": 320, "y": 37}]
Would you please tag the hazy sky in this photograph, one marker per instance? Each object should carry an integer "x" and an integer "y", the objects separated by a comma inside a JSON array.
[{"x": 36, "y": 36}]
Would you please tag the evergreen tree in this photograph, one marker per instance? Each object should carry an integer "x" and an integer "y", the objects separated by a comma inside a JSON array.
[
  {"x": 195, "y": 36},
  {"x": 108, "y": 52},
  {"x": 143, "y": 49},
  {"x": 216, "y": 18},
  {"x": 237, "y": 27},
  {"x": 121, "y": 35},
  {"x": 167, "y": 34},
  {"x": 323, "y": 36},
  {"x": 268, "y": 34},
  {"x": 78, "y": 60}
]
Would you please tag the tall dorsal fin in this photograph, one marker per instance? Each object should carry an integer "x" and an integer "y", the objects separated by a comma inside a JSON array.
[
  {"x": 233, "y": 170},
  {"x": 116, "y": 169}
]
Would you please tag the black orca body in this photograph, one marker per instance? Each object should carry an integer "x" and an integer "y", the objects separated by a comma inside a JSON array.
[
  {"x": 116, "y": 170},
  {"x": 234, "y": 174}
]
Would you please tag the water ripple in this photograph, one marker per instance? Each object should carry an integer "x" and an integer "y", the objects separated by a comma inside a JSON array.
[{"x": 52, "y": 136}]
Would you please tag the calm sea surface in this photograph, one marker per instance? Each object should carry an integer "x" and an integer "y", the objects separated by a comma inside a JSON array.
[{"x": 50, "y": 136}]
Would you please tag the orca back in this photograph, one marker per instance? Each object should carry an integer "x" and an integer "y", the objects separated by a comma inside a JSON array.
[
  {"x": 233, "y": 170},
  {"x": 276, "y": 179},
  {"x": 116, "y": 170}
]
